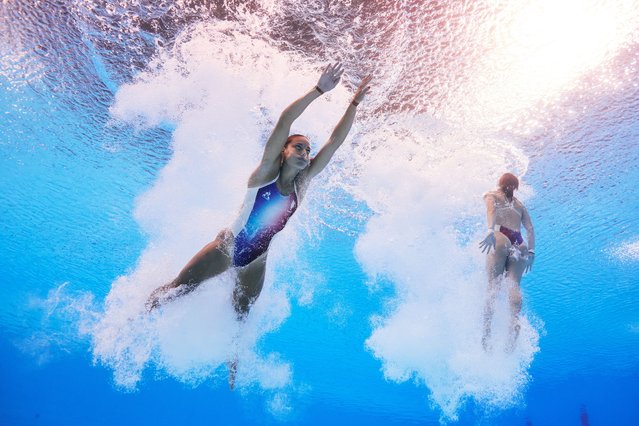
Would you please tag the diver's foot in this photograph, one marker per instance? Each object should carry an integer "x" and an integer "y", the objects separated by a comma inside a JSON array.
[
  {"x": 151, "y": 304},
  {"x": 162, "y": 295},
  {"x": 232, "y": 372}
]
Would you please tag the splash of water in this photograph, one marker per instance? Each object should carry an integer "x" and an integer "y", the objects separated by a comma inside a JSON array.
[
  {"x": 426, "y": 336},
  {"x": 421, "y": 178},
  {"x": 628, "y": 251},
  {"x": 419, "y": 239},
  {"x": 214, "y": 76}
]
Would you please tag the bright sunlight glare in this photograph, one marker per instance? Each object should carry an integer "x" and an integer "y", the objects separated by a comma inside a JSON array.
[{"x": 545, "y": 49}]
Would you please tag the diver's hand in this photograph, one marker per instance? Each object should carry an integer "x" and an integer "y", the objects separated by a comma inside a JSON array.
[
  {"x": 530, "y": 259},
  {"x": 362, "y": 90},
  {"x": 487, "y": 243},
  {"x": 330, "y": 77}
]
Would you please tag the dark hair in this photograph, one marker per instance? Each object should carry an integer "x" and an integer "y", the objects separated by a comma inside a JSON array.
[
  {"x": 290, "y": 138},
  {"x": 508, "y": 179}
]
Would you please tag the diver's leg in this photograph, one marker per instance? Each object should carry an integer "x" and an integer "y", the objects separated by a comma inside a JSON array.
[
  {"x": 213, "y": 259},
  {"x": 517, "y": 260},
  {"x": 489, "y": 310},
  {"x": 495, "y": 267},
  {"x": 496, "y": 260},
  {"x": 514, "y": 298},
  {"x": 516, "y": 266},
  {"x": 232, "y": 366},
  {"x": 248, "y": 286}
]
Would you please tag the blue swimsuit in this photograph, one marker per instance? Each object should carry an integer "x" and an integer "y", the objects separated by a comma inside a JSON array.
[{"x": 264, "y": 213}]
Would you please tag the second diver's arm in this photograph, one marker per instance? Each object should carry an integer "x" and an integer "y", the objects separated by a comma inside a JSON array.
[
  {"x": 490, "y": 211},
  {"x": 489, "y": 241},
  {"x": 530, "y": 230},
  {"x": 530, "y": 233}
]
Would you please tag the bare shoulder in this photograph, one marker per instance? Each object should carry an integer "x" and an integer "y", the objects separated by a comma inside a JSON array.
[
  {"x": 491, "y": 195},
  {"x": 262, "y": 176}
]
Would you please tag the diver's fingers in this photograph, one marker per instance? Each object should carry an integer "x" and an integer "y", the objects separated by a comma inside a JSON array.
[{"x": 328, "y": 68}]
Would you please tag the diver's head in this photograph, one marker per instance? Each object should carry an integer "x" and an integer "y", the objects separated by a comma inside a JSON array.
[
  {"x": 297, "y": 152},
  {"x": 508, "y": 182}
]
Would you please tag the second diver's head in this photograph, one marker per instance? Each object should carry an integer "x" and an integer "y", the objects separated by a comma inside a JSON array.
[
  {"x": 508, "y": 182},
  {"x": 297, "y": 152}
]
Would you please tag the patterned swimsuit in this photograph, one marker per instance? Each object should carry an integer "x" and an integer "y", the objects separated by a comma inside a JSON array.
[{"x": 264, "y": 213}]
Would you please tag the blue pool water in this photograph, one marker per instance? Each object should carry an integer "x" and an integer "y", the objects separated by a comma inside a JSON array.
[{"x": 128, "y": 130}]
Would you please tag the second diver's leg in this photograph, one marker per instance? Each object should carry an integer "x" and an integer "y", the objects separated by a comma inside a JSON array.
[
  {"x": 211, "y": 260},
  {"x": 495, "y": 267},
  {"x": 489, "y": 310},
  {"x": 516, "y": 265}
]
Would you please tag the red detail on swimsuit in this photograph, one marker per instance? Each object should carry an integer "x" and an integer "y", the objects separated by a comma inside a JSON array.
[{"x": 514, "y": 236}]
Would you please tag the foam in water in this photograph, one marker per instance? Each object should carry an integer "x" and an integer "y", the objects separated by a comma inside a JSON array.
[
  {"x": 628, "y": 251},
  {"x": 424, "y": 183},
  {"x": 223, "y": 92},
  {"x": 61, "y": 307},
  {"x": 422, "y": 180},
  {"x": 431, "y": 333}
]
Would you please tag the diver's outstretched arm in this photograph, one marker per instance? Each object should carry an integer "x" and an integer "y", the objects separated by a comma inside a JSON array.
[
  {"x": 530, "y": 231},
  {"x": 323, "y": 157},
  {"x": 270, "y": 162},
  {"x": 530, "y": 236}
]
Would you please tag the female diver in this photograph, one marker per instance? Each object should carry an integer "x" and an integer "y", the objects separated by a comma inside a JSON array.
[
  {"x": 511, "y": 257},
  {"x": 274, "y": 191}
]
